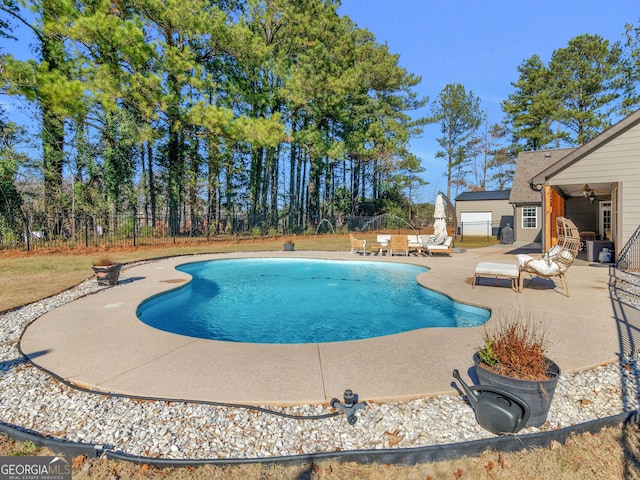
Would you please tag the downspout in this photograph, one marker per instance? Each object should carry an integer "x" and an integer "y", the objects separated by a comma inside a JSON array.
[{"x": 540, "y": 189}]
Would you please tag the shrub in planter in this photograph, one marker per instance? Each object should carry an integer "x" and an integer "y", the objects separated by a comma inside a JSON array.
[
  {"x": 513, "y": 357},
  {"x": 107, "y": 271}
]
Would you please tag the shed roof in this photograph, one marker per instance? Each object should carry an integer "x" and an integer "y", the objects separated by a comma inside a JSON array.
[
  {"x": 483, "y": 195},
  {"x": 528, "y": 165}
]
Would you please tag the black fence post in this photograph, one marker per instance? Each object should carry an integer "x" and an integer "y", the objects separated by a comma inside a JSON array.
[
  {"x": 86, "y": 231},
  {"x": 135, "y": 216}
]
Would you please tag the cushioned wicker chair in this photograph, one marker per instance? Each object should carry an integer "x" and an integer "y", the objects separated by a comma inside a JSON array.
[{"x": 558, "y": 259}]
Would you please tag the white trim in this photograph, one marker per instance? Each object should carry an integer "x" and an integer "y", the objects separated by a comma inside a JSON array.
[{"x": 603, "y": 207}]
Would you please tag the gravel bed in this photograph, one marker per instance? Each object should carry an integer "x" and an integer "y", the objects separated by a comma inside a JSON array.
[{"x": 33, "y": 400}]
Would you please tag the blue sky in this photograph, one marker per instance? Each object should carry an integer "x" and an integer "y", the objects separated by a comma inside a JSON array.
[{"x": 479, "y": 44}]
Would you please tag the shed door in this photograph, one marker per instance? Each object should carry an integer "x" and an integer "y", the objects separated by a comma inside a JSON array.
[{"x": 476, "y": 223}]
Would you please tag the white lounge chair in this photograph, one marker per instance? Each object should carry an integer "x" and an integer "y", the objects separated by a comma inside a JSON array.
[
  {"x": 415, "y": 243},
  {"x": 442, "y": 245}
]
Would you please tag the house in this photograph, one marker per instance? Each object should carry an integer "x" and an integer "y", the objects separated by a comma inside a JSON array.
[
  {"x": 525, "y": 199},
  {"x": 483, "y": 213},
  {"x": 596, "y": 185}
]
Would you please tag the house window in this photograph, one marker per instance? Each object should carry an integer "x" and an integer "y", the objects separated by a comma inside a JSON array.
[{"x": 529, "y": 217}]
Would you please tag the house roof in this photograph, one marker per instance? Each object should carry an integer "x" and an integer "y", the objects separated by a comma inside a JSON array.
[
  {"x": 618, "y": 129},
  {"x": 493, "y": 195},
  {"x": 530, "y": 164}
]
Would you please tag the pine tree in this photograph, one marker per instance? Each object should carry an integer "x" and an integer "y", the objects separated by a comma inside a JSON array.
[{"x": 459, "y": 116}]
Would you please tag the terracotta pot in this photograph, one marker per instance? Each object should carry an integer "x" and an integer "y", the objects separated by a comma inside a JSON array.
[
  {"x": 537, "y": 393},
  {"x": 107, "y": 274}
]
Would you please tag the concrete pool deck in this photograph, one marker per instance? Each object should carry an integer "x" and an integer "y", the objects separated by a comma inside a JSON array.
[{"x": 97, "y": 341}]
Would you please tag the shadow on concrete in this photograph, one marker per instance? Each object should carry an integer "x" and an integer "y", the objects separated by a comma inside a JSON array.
[
  {"x": 624, "y": 290},
  {"x": 126, "y": 280},
  {"x": 527, "y": 248}
]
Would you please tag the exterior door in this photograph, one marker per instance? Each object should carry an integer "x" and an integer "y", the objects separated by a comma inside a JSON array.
[{"x": 604, "y": 216}]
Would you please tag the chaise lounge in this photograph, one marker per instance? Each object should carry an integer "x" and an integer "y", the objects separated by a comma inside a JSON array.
[{"x": 438, "y": 245}]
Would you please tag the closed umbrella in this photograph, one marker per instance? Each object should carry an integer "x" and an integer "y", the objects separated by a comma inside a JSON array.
[{"x": 440, "y": 220}]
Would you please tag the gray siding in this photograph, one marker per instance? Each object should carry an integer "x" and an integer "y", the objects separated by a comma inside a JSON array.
[
  {"x": 527, "y": 234},
  {"x": 502, "y": 211},
  {"x": 617, "y": 161}
]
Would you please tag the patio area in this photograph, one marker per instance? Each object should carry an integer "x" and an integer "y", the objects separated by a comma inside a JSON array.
[{"x": 97, "y": 342}]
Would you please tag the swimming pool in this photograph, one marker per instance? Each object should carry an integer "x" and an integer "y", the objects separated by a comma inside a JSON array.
[{"x": 302, "y": 301}]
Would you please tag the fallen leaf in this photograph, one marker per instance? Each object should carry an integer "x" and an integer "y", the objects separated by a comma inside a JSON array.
[
  {"x": 394, "y": 437},
  {"x": 489, "y": 466},
  {"x": 554, "y": 445},
  {"x": 458, "y": 473}
]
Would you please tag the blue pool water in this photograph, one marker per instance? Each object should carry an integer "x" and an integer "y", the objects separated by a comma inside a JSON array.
[{"x": 302, "y": 301}]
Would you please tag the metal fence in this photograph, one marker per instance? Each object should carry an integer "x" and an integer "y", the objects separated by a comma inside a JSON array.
[
  {"x": 72, "y": 231},
  {"x": 34, "y": 231},
  {"x": 629, "y": 257},
  {"x": 480, "y": 229}
]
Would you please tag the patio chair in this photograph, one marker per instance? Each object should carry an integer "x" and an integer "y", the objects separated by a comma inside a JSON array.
[
  {"x": 558, "y": 259},
  {"x": 440, "y": 245},
  {"x": 358, "y": 245},
  {"x": 382, "y": 244},
  {"x": 399, "y": 244}
]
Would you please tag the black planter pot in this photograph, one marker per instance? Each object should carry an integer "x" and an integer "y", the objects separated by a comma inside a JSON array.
[
  {"x": 537, "y": 393},
  {"x": 107, "y": 274},
  {"x": 288, "y": 247}
]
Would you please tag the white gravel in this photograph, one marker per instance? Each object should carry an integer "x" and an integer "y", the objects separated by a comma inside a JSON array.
[{"x": 33, "y": 400}]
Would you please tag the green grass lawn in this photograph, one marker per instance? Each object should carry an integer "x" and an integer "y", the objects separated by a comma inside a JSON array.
[{"x": 26, "y": 277}]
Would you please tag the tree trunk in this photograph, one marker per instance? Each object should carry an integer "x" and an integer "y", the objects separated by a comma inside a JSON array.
[
  {"x": 255, "y": 182},
  {"x": 52, "y": 123},
  {"x": 152, "y": 184}
]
